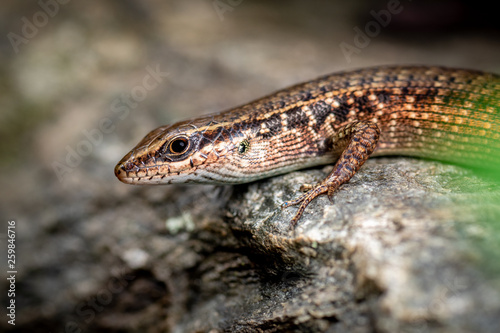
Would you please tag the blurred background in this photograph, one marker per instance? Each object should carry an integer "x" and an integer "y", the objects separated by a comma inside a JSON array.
[{"x": 82, "y": 82}]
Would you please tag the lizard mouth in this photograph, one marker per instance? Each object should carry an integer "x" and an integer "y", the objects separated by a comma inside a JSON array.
[
  {"x": 123, "y": 172},
  {"x": 133, "y": 170},
  {"x": 137, "y": 175},
  {"x": 120, "y": 172},
  {"x": 126, "y": 170}
]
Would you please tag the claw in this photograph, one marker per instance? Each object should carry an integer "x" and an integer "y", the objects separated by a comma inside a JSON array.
[
  {"x": 331, "y": 191},
  {"x": 295, "y": 202},
  {"x": 304, "y": 200}
]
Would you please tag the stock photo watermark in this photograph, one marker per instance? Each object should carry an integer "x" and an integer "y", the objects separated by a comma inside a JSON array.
[
  {"x": 31, "y": 27},
  {"x": 11, "y": 271},
  {"x": 223, "y": 6},
  {"x": 371, "y": 29},
  {"x": 120, "y": 109}
]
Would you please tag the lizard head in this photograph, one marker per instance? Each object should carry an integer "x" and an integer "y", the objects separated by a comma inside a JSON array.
[{"x": 195, "y": 151}]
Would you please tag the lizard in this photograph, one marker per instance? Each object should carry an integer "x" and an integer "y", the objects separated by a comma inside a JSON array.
[{"x": 447, "y": 114}]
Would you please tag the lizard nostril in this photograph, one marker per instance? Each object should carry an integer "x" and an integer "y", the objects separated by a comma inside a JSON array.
[{"x": 120, "y": 171}]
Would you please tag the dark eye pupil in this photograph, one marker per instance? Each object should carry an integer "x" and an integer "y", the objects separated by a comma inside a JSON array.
[{"x": 178, "y": 146}]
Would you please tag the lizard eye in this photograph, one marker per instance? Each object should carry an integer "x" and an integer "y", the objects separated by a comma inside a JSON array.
[{"x": 178, "y": 145}]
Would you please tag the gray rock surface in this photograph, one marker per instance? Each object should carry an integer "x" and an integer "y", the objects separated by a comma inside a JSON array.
[
  {"x": 388, "y": 255},
  {"x": 393, "y": 253}
]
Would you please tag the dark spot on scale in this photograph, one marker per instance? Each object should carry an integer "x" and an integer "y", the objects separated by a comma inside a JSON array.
[
  {"x": 325, "y": 89},
  {"x": 384, "y": 98},
  {"x": 360, "y": 101},
  {"x": 390, "y": 78},
  {"x": 305, "y": 96},
  {"x": 362, "y": 104},
  {"x": 266, "y": 135},
  {"x": 320, "y": 111},
  {"x": 273, "y": 123},
  {"x": 342, "y": 110},
  {"x": 209, "y": 137},
  {"x": 296, "y": 117}
]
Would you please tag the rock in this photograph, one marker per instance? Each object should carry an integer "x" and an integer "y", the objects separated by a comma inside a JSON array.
[
  {"x": 407, "y": 245},
  {"x": 387, "y": 255}
]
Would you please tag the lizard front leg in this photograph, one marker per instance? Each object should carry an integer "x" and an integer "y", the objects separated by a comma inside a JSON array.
[{"x": 356, "y": 141}]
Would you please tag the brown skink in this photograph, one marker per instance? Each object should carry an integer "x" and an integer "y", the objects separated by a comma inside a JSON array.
[{"x": 452, "y": 115}]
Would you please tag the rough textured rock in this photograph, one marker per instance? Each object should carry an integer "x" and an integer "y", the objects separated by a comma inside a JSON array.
[
  {"x": 393, "y": 253},
  {"x": 387, "y": 256}
]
